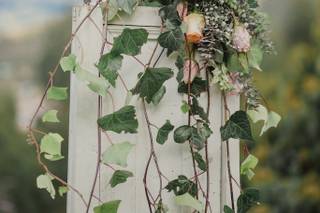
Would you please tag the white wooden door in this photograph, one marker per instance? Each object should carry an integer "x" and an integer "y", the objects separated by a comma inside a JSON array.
[{"x": 175, "y": 159}]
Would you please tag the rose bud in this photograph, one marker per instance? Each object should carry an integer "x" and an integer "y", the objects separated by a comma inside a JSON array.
[
  {"x": 241, "y": 39},
  {"x": 182, "y": 9},
  {"x": 193, "y": 72},
  {"x": 195, "y": 25}
]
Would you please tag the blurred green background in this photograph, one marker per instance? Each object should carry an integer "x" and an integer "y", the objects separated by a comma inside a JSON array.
[{"x": 32, "y": 36}]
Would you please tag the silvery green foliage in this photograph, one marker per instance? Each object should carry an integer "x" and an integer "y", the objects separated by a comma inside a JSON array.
[
  {"x": 221, "y": 16},
  {"x": 219, "y": 27}
]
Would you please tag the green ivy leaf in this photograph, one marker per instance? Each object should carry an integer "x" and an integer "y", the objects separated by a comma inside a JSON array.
[
  {"x": 95, "y": 83},
  {"x": 201, "y": 163},
  {"x": 68, "y": 63},
  {"x": 151, "y": 82},
  {"x": 108, "y": 66},
  {"x": 51, "y": 146},
  {"x": 197, "y": 87},
  {"x": 127, "y": 5},
  {"x": 158, "y": 95},
  {"x": 255, "y": 56},
  {"x": 273, "y": 121},
  {"x": 123, "y": 120},
  {"x": 108, "y": 207},
  {"x": 187, "y": 200},
  {"x": 172, "y": 39},
  {"x": 117, "y": 154},
  {"x": 130, "y": 41},
  {"x": 270, "y": 119},
  {"x": 185, "y": 107},
  {"x": 237, "y": 127},
  {"x": 109, "y": 9},
  {"x": 57, "y": 93},
  {"x": 62, "y": 190},
  {"x": 182, "y": 185},
  {"x": 196, "y": 109},
  {"x": 182, "y": 134},
  {"x": 248, "y": 198},
  {"x": 50, "y": 116},
  {"x": 120, "y": 176},
  {"x": 163, "y": 132},
  {"x": 45, "y": 182},
  {"x": 169, "y": 15},
  {"x": 227, "y": 209},
  {"x": 248, "y": 165}
]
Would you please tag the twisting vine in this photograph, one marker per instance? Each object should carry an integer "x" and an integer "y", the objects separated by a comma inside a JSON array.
[{"x": 215, "y": 42}]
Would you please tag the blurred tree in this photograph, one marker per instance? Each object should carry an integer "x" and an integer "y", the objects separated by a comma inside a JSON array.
[{"x": 289, "y": 172}]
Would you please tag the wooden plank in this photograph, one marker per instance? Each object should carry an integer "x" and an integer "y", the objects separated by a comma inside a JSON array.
[{"x": 174, "y": 159}]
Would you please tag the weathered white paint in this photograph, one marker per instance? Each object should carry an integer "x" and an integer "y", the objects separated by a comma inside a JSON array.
[{"x": 174, "y": 158}]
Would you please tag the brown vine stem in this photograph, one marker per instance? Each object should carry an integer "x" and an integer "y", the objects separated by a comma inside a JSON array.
[
  {"x": 226, "y": 117},
  {"x": 189, "y": 114},
  {"x": 206, "y": 144},
  {"x": 99, "y": 130},
  {"x": 34, "y": 142},
  {"x": 49, "y": 84}
]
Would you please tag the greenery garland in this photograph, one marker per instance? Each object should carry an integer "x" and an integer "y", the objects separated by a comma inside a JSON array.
[{"x": 225, "y": 40}]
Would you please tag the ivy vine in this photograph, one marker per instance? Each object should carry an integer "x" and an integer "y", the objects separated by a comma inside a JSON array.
[{"x": 215, "y": 42}]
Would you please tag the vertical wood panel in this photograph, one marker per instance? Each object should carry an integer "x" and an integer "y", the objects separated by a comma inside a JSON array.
[{"x": 174, "y": 159}]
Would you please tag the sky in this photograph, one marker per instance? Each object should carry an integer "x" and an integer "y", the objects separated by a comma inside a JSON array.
[{"x": 18, "y": 17}]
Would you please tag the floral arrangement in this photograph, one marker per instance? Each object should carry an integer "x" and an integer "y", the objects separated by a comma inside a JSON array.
[{"x": 223, "y": 40}]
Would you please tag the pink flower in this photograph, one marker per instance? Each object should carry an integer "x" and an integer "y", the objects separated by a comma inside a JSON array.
[
  {"x": 182, "y": 9},
  {"x": 195, "y": 25},
  {"x": 193, "y": 72},
  {"x": 241, "y": 39}
]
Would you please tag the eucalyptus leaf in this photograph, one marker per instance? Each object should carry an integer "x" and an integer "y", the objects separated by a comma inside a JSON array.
[
  {"x": 151, "y": 82},
  {"x": 189, "y": 201},
  {"x": 45, "y": 182},
  {"x": 237, "y": 127},
  {"x": 108, "y": 207},
  {"x": 123, "y": 120},
  {"x": 255, "y": 56},
  {"x": 50, "y": 116},
  {"x": 163, "y": 132},
  {"x": 130, "y": 41},
  {"x": 120, "y": 176},
  {"x": 57, "y": 93},
  {"x": 117, "y": 154}
]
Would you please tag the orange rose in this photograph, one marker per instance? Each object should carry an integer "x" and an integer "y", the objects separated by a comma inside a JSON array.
[{"x": 195, "y": 25}]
